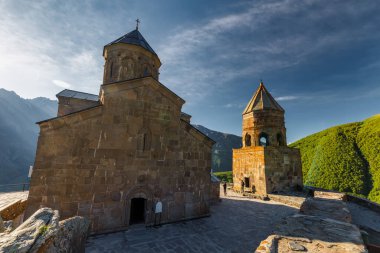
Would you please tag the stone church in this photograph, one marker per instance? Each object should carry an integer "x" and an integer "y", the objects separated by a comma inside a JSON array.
[
  {"x": 265, "y": 164},
  {"x": 111, "y": 157}
]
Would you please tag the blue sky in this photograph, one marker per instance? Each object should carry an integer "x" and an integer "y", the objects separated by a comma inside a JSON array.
[{"x": 319, "y": 59}]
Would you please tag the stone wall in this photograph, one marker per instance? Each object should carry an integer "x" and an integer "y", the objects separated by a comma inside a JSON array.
[
  {"x": 126, "y": 61},
  {"x": 283, "y": 169},
  {"x": 68, "y": 105},
  {"x": 93, "y": 163},
  {"x": 249, "y": 163},
  {"x": 269, "y": 169},
  {"x": 264, "y": 121},
  {"x": 13, "y": 210}
]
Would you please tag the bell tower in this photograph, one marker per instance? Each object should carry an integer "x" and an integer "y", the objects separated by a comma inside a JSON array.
[
  {"x": 265, "y": 164},
  {"x": 263, "y": 121},
  {"x": 129, "y": 57}
]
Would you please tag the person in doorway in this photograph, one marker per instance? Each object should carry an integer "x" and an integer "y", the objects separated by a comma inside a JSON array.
[
  {"x": 225, "y": 188},
  {"x": 242, "y": 187},
  {"x": 157, "y": 213}
]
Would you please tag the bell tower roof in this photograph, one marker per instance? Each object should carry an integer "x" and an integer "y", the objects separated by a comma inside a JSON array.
[
  {"x": 134, "y": 38},
  {"x": 262, "y": 100}
]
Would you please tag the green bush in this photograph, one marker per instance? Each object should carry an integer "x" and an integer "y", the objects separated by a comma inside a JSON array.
[
  {"x": 344, "y": 158},
  {"x": 337, "y": 165},
  {"x": 368, "y": 140},
  {"x": 224, "y": 176}
]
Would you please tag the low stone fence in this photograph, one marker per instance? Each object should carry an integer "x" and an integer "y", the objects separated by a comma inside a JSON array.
[
  {"x": 323, "y": 225},
  {"x": 322, "y": 193},
  {"x": 13, "y": 210},
  {"x": 364, "y": 202}
]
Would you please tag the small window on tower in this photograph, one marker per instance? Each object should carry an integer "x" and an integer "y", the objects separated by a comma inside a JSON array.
[
  {"x": 280, "y": 140},
  {"x": 111, "y": 69},
  {"x": 247, "y": 140},
  {"x": 144, "y": 140},
  {"x": 263, "y": 140}
]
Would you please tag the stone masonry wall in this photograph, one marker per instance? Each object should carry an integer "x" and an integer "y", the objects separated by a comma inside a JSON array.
[
  {"x": 249, "y": 162},
  {"x": 264, "y": 121},
  {"x": 283, "y": 168},
  {"x": 69, "y": 105},
  {"x": 126, "y": 61},
  {"x": 94, "y": 162},
  {"x": 269, "y": 169}
]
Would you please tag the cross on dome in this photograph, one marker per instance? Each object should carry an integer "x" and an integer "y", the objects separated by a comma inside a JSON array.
[{"x": 137, "y": 24}]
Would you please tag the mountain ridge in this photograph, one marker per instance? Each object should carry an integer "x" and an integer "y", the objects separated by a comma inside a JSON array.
[{"x": 18, "y": 133}]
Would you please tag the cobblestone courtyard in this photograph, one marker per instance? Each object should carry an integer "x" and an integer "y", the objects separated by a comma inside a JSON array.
[{"x": 235, "y": 225}]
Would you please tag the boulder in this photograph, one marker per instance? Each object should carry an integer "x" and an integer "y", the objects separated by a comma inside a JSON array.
[
  {"x": 2, "y": 228},
  {"x": 9, "y": 226},
  {"x": 71, "y": 236},
  {"x": 327, "y": 208},
  {"x": 306, "y": 233},
  {"x": 43, "y": 233},
  {"x": 31, "y": 234}
]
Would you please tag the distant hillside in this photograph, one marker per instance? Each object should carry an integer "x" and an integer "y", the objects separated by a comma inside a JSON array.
[
  {"x": 344, "y": 158},
  {"x": 222, "y": 150},
  {"x": 18, "y": 133}
]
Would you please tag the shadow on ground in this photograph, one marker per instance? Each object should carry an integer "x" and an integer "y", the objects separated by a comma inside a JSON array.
[{"x": 235, "y": 225}]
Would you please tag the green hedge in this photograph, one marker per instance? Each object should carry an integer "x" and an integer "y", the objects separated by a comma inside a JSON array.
[
  {"x": 344, "y": 158},
  {"x": 224, "y": 176}
]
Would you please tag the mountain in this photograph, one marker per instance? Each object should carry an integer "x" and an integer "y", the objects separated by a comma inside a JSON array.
[
  {"x": 222, "y": 150},
  {"x": 344, "y": 158},
  {"x": 18, "y": 133}
]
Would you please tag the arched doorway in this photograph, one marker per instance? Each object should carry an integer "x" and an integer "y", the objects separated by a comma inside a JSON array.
[
  {"x": 138, "y": 205},
  {"x": 137, "y": 211}
]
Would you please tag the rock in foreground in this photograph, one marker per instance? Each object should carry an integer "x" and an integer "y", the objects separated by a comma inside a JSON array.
[
  {"x": 305, "y": 233},
  {"x": 43, "y": 232},
  {"x": 327, "y": 208}
]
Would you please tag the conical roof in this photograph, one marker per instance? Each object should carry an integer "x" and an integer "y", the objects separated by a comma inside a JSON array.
[
  {"x": 262, "y": 100},
  {"x": 134, "y": 38}
]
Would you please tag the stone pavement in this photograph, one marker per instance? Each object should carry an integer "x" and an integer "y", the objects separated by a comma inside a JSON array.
[
  {"x": 236, "y": 224},
  {"x": 9, "y": 198}
]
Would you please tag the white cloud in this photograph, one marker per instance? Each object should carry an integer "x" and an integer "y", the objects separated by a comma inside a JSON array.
[
  {"x": 62, "y": 84},
  {"x": 84, "y": 61},
  {"x": 281, "y": 35},
  {"x": 41, "y": 47},
  {"x": 286, "y": 98},
  {"x": 232, "y": 105}
]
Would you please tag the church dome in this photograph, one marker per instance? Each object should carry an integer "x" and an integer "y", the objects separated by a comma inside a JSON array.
[
  {"x": 262, "y": 100},
  {"x": 133, "y": 38},
  {"x": 130, "y": 57}
]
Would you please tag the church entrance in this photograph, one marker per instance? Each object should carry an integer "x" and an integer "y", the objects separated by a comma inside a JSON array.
[{"x": 137, "y": 211}]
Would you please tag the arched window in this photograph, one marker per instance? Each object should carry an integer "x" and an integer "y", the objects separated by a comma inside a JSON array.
[
  {"x": 263, "y": 140},
  {"x": 247, "y": 140},
  {"x": 280, "y": 140},
  {"x": 111, "y": 69},
  {"x": 146, "y": 72},
  {"x": 144, "y": 140}
]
